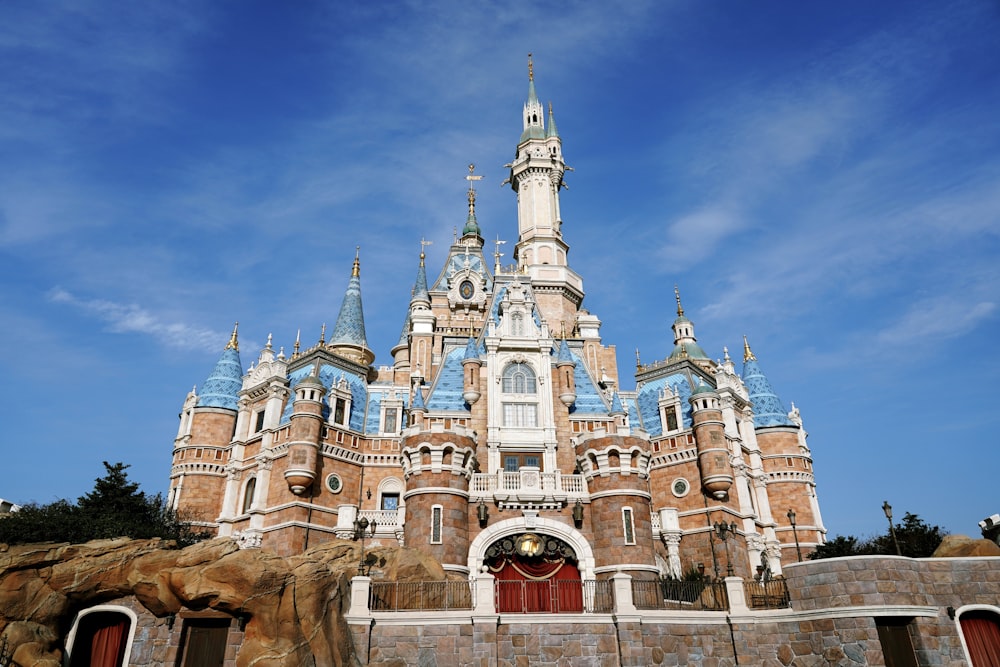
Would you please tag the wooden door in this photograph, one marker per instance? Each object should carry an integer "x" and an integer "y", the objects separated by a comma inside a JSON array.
[{"x": 204, "y": 642}]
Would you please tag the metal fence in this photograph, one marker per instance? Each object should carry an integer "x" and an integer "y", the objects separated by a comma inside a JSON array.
[
  {"x": 686, "y": 595},
  {"x": 420, "y": 595},
  {"x": 771, "y": 594}
]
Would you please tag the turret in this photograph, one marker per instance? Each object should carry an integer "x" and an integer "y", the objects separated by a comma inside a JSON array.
[
  {"x": 422, "y": 320},
  {"x": 565, "y": 370},
  {"x": 471, "y": 364},
  {"x": 710, "y": 437},
  {"x": 685, "y": 344},
  {"x": 207, "y": 427},
  {"x": 306, "y": 424}
]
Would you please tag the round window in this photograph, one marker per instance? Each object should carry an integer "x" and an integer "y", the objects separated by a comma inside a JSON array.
[
  {"x": 680, "y": 487},
  {"x": 333, "y": 483}
]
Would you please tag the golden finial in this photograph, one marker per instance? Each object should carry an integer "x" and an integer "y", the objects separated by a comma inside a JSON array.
[
  {"x": 422, "y": 244},
  {"x": 233, "y": 344},
  {"x": 747, "y": 353},
  {"x": 295, "y": 350},
  {"x": 531, "y": 69},
  {"x": 677, "y": 295},
  {"x": 322, "y": 334},
  {"x": 638, "y": 364},
  {"x": 356, "y": 271}
]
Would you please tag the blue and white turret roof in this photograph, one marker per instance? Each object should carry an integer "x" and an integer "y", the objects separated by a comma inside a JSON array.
[
  {"x": 471, "y": 350},
  {"x": 222, "y": 388},
  {"x": 350, "y": 326},
  {"x": 616, "y": 405},
  {"x": 420, "y": 284},
  {"x": 564, "y": 356},
  {"x": 768, "y": 410}
]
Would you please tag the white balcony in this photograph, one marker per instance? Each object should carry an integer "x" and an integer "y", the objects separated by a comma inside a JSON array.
[{"x": 528, "y": 487}]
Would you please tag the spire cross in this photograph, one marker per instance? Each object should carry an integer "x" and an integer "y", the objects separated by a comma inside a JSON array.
[{"x": 356, "y": 269}]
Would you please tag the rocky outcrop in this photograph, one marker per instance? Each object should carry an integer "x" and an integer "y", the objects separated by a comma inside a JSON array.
[
  {"x": 960, "y": 546},
  {"x": 293, "y": 606}
]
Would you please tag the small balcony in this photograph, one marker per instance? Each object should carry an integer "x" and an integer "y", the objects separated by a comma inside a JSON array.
[{"x": 528, "y": 487}]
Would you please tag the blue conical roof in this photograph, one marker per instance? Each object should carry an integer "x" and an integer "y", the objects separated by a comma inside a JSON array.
[
  {"x": 767, "y": 407},
  {"x": 616, "y": 404},
  {"x": 420, "y": 285},
  {"x": 418, "y": 399},
  {"x": 471, "y": 349},
  {"x": 551, "y": 130},
  {"x": 564, "y": 354},
  {"x": 222, "y": 388},
  {"x": 350, "y": 327}
]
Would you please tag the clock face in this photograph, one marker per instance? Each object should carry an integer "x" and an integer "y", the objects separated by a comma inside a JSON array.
[{"x": 466, "y": 289}]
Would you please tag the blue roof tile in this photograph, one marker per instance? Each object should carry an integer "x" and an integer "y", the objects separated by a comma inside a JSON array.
[
  {"x": 350, "y": 327},
  {"x": 648, "y": 401},
  {"x": 589, "y": 399},
  {"x": 328, "y": 375},
  {"x": 446, "y": 393},
  {"x": 222, "y": 388},
  {"x": 768, "y": 410}
]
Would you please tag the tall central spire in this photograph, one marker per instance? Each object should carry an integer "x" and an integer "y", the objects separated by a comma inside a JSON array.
[{"x": 536, "y": 174}]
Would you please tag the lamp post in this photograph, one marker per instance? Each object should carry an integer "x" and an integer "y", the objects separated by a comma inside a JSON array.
[
  {"x": 887, "y": 508},
  {"x": 795, "y": 533},
  {"x": 724, "y": 530},
  {"x": 361, "y": 530}
]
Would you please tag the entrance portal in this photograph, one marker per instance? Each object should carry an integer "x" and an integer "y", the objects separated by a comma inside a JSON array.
[{"x": 535, "y": 574}]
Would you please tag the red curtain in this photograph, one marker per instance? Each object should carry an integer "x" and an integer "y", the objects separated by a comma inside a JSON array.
[
  {"x": 982, "y": 636},
  {"x": 540, "y": 587},
  {"x": 108, "y": 646}
]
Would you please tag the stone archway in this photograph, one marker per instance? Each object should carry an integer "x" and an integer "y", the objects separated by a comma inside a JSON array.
[{"x": 533, "y": 524}]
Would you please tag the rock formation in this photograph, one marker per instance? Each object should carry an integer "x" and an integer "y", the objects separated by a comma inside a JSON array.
[
  {"x": 961, "y": 546},
  {"x": 293, "y": 606}
]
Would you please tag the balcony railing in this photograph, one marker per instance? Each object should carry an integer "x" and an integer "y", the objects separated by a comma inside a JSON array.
[
  {"x": 554, "y": 597},
  {"x": 686, "y": 595},
  {"x": 771, "y": 594},
  {"x": 420, "y": 595},
  {"x": 528, "y": 480}
]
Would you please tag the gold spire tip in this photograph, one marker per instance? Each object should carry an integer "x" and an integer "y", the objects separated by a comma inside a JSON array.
[
  {"x": 747, "y": 352},
  {"x": 233, "y": 343},
  {"x": 680, "y": 308},
  {"x": 356, "y": 269},
  {"x": 531, "y": 69}
]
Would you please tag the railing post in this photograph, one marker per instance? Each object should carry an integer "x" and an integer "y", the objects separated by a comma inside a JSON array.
[
  {"x": 622, "y": 584},
  {"x": 360, "y": 592},
  {"x": 737, "y": 596},
  {"x": 484, "y": 586}
]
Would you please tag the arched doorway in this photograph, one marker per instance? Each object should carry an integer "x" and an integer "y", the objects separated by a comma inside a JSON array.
[
  {"x": 100, "y": 638},
  {"x": 981, "y": 635},
  {"x": 535, "y": 573}
]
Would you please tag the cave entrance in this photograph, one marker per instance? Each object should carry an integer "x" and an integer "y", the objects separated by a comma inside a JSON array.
[{"x": 535, "y": 573}]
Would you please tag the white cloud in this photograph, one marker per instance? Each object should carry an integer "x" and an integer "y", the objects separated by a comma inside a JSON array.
[
  {"x": 940, "y": 318},
  {"x": 131, "y": 318}
]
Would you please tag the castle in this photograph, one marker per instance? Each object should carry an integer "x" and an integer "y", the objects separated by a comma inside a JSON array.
[{"x": 501, "y": 432}]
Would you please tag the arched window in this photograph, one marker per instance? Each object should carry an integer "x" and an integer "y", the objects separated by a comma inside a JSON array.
[
  {"x": 518, "y": 378},
  {"x": 248, "y": 493}
]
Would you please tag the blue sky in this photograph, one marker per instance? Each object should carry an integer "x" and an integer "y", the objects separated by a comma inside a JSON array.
[{"x": 822, "y": 177}]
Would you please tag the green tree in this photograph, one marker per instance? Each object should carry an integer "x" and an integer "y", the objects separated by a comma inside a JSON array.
[
  {"x": 115, "y": 508},
  {"x": 917, "y": 539}
]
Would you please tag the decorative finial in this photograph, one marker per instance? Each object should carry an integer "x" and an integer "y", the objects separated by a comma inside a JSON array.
[
  {"x": 725, "y": 353},
  {"x": 298, "y": 336},
  {"x": 322, "y": 334},
  {"x": 356, "y": 271},
  {"x": 680, "y": 309},
  {"x": 233, "y": 343},
  {"x": 472, "y": 178},
  {"x": 454, "y": 234},
  {"x": 281, "y": 352},
  {"x": 747, "y": 353},
  {"x": 422, "y": 244},
  {"x": 268, "y": 346},
  {"x": 531, "y": 69},
  {"x": 497, "y": 255},
  {"x": 638, "y": 364}
]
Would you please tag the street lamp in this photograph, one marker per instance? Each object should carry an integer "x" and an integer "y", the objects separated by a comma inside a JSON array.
[
  {"x": 887, "y": 508},
  {"x": 724, "y": 530},
  {"x": 363, "y": 528},
  {"x": 795, "y": 534}
]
